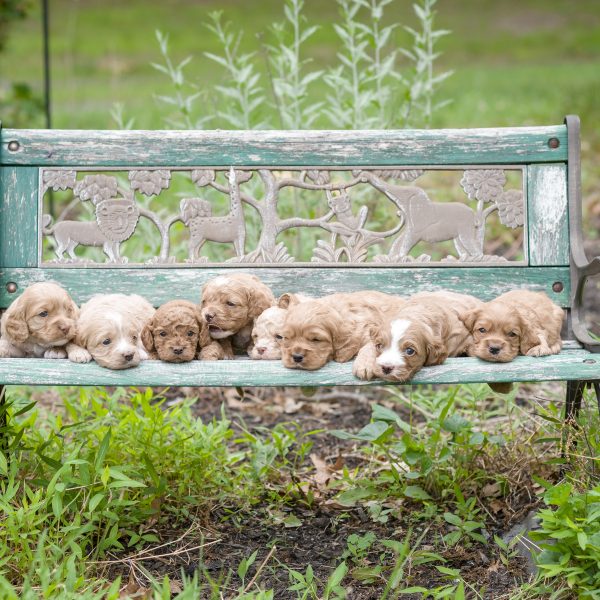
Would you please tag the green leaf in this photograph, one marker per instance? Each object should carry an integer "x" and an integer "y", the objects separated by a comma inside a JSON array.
[
  {"x": 102, "y": 450},
  {"x": 558, "y": 495},
  {"x": 582, "y": 539},
  {"x": 94, "y": 501},
  {"x": 350, "y": 497},
  {"x": 455, "y": 423},
  {"x": 416, "y": 492}
]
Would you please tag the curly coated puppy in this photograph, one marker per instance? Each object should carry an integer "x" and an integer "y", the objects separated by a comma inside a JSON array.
[
  {"x": 109, "y": 329},
  {"x": 424, "y": 331},
  {"x": 39, "y": 323},
  {"x": 518, "y": 322},
  {"x": 334, "y": 327},
  {"x": 178, "y": 333},
  {"x": 230, "y": 304}
]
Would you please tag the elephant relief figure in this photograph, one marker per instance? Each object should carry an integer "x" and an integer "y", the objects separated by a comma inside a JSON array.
[
  {"x": 115, "y": 222},
  {"x": 428, "y": 221}
]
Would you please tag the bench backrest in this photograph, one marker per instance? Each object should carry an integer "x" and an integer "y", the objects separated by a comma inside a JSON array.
[{"x": 312, "y": 211}]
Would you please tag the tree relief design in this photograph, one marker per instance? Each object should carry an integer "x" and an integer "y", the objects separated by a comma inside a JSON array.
[{"x": 275, "y": 216}]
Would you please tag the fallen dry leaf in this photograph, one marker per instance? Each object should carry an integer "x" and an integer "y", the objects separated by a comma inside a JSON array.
[{"x": 323, "y": 474}]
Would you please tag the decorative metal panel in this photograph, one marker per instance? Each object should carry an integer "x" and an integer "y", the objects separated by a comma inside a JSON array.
[{"x": 316, "y": 216}]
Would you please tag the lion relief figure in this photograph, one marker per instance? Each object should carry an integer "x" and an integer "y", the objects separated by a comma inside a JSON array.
[{"x": 115, "y": 222}]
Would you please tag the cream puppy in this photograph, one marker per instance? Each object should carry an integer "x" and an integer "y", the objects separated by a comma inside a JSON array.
[
  {"x": 39, "y": 323},
  {"x": 425, "y": 331},
  {"x": 109, "y": 328}
]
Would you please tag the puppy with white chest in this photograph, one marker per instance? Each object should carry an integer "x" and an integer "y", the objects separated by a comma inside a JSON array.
[
  {"x": 40, "y": 323},
  {"x": 334, "y": 327},
  {"x": 230, "y": 304},
  {"x": 109, "y": 330},
  {"x": 425, "y": 331},
  {"x": 178, "y": 333},
  {"x": 517, "y": 322}
]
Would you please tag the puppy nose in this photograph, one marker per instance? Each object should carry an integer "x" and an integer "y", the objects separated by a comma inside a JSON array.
[
  {"x": 128, "y": 357},
  {"x": 494, "y": 350},
  {"x": 177, "y": 350},
  {"x": 64, "y": 327},
  {"x": 209, "y": 317},
  {"x": 263, "y": 349},
  {"x": 298, "y": 357},
  {"x": 386, "y": 370}
]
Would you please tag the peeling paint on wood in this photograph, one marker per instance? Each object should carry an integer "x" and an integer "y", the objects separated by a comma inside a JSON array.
[
  {"x": 160, "y": 285},
  {"x": 547, "y": 210},
  {"x": 283, "y": 148},
  {"x": 18, "y": 216},
  {"x": 569, "y": 364}
]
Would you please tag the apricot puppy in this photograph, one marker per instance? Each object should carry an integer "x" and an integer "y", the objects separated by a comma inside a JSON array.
[
  {"x": 230, "y": 304},
  {"x": 423, "y": 332},
  {"x": 178, "y": 333},
  {"x": 39, "y": 323},
  {"x": 110, "y": 327},
  {"x": 517, "y": 322},
  {"x": 334, "y": 327}
]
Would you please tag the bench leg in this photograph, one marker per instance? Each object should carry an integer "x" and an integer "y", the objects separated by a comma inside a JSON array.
[{"x": 573, "y": 400}]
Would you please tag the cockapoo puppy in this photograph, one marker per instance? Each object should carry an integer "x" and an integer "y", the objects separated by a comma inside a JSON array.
[
  {"x": 266, "y": 333},
  {"x": 334, "y": 327},
  {"x": 230, "y": 304},
  {"x": 517, "y": 322},
  {"x": 39, "y": 323},
  {"x": 178, "y": 333},
  {"x": 424, "y": 331},
  {"x": 109, "y": 330}
]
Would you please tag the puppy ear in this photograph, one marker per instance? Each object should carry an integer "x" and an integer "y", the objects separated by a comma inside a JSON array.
[
  {"x": 286, "y": 300},
  {"x": 469, "y": 318},
  {"x": 259, "y": 299},
  {"x": 204, "y": 338},
  {"x": 14, "y": 324},
  {"x": 74, "y": 311},
  {"x": 346, "y": 343},
  {"x": 437, "y": 352},
  {"x": 147, "y": 337}
]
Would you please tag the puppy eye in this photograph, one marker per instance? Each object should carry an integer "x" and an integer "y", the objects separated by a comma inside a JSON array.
[
  {"x": 481, "y": 330},
  {"x": 230, "y": 303},
  {"x": 190, "y": 333},
  {"x": 409, "y": 351},
  {"x": 278, "y": 337},
  {"x": 379, "y": 347},
  {"x": 316, "y": 340},
  {"x": 134, "y": 338},
  {"x": 163, "y": 334},
  {"x": 512, "y": 334},
  {"x": 106, "y": 342},
  {"x": 44, "y": 313}
]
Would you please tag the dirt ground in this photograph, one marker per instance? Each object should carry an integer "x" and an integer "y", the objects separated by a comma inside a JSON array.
[{"x": 229, "y": 536}]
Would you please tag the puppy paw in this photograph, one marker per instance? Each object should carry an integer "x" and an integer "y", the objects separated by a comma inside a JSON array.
[
  {"x": 362, "y": 370},
  {"x": 210, "y": 353},
  {"x": 79, "y": 355},
  {"x": 143, "y": 354},
  {"x": 55, "y": 353},
  {"x": 541, "y": 350}
]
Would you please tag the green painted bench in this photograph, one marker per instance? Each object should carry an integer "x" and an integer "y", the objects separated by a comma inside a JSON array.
[{"x": 313, "y": 211}]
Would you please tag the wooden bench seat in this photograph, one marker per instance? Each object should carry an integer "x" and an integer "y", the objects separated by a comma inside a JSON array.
[{"x": 522, "y": 181}]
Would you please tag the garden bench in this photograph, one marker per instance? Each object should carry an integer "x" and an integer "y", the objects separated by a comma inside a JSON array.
[{"x": 396, "y": 211}]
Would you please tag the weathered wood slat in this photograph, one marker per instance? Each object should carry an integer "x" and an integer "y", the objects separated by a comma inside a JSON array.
[
  {"x": 568, "y": 365},
  {"x": 547, "y": 209},
  {"x": 278, "y": 148},
  {"x": 19, "y": 216},
  {"x": 163, "y": 284}
]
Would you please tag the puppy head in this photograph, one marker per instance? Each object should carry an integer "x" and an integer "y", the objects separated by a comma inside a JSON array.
[
  {"x": 174, "y": 331},
  {"x": 497, "y": 331},
  {"x": 232, "y": 302},
  {"x": 266, "y": 334},
  {"x": 44, "y": 314},
  {"x": 315, "y": 333},
  {"x": 403, "y": 346},
  {"x": 110, "y": 327}
]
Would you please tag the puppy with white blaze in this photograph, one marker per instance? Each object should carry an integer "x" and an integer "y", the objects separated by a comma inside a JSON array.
[
  {"x": 425, "y": 331},
  {"x": 40, "y": 323},
  {"x": 109, "y": 330}
]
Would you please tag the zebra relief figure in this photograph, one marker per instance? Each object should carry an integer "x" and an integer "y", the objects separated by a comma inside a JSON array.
[{"x": 196, "y": 214}]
